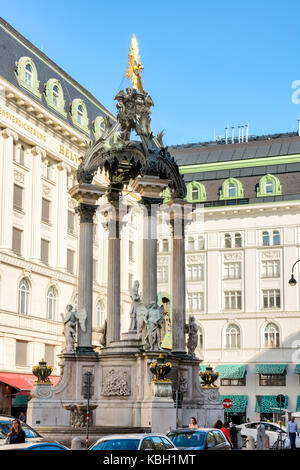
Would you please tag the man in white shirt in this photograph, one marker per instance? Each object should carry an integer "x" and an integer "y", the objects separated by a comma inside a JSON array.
[{"x": 292, "y": 430}]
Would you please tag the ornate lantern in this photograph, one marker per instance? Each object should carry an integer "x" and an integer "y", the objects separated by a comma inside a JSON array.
[
  {"x": 160, "y": 369},
  {"x": 208, "y": 377},
  {"x": 42, "y": 372}
]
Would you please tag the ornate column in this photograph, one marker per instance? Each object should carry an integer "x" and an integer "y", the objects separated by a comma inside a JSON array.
[
  {"x": 7, "y": 189},
  {"x": 36, "y": 203},
  {"x": 86, "y": 195},
  {"x": 62, "y": 216},
  {"x": 178, "y": 278}
]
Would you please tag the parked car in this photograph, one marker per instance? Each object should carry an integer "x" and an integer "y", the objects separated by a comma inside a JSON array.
[
  {"x": 31, "y": 435},
  {"x": 43, "y": 445},
  {"x": 199, "y": 439},
  {"x": 133, "y": 442},
  {"x": 272, "y": 430}
]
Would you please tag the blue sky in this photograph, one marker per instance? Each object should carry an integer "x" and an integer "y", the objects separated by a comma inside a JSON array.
[{"x": 207, "y": 64}]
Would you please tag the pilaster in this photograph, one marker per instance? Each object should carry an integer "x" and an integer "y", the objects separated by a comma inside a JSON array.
[
  {"x": 36, "y": 203},
  {"x": 62, "y": 216}
]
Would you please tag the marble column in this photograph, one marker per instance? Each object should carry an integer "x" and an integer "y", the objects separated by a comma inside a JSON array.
[
  {"x": 113, "y": 276},
  {"x": 36, "y": 203},
  {"x": 62, "y": 216},
  {"x": 178, "y": 279},
  {"x": 149, "y": 288},
  {"x": 7, "y": 189}
]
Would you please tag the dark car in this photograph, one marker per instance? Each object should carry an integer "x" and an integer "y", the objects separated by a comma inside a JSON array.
[{"x": 199, "y": 439}]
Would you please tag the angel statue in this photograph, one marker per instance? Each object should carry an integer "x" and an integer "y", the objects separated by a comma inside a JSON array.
[
  {"x": 135, "y": 67},
  {"x": 192, "y": 330},
  {"x": 153, "y": 320},
  {"x": 70, "y": 321},
  {"x": 136, "y": 300}
]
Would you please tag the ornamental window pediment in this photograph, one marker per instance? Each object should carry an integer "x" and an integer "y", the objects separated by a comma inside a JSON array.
[
  {"x": 79, "y": 115},
  {"x": 26, "y": 74},
  {"x": 54, "y": 96}
]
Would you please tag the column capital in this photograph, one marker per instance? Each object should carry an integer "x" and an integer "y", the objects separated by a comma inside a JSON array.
[
  {"x": 86, "y": 212},
  {"x": 6, "y": 133},
  {"x": 62, "y": 166},
  {"x": 38, "y": 151}
]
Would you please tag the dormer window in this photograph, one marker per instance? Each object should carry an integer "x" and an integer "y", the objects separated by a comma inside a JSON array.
[
  {"x": 55, "y": 95},
  {"x": 28, "y": 75},
  {"x": 269, "y": 187},
  {"x": 231, "y": 190},
  {"x": 79, "y": 114}
]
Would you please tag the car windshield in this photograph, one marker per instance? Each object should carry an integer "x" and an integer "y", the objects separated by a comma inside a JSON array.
[
  {"x": 187, "y": 439},
  {"x": 117, "y": 444},
  {"x": 6, "y": 425}
]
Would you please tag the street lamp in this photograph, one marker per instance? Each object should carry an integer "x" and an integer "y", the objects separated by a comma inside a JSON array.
[{"x": 292, "y": 281}]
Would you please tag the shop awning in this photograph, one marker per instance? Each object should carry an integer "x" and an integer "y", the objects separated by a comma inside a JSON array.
[
  {"x": 268, "y": 402},
  {"x": 270, "y": 369},
  {"x": 231, "y": 371},
  {"x": 239, "y": 403},
  {"x": 298, "y": 403},
  {"x": 297, "y": 369},
  {"x": 23, "y": 382},
  {"x": 20, "y": 401}
]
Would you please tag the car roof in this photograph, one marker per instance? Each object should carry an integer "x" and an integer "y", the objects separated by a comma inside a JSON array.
[
  {"x": 129, "y": 436},
  {"x": 25, "y": 445},
  {"x": 194, "y": 430}
]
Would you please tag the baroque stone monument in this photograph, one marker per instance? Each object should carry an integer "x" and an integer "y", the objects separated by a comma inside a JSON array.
[{"x": 123, "y": 393}]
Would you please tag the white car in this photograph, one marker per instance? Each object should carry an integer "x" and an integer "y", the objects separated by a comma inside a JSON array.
[
  {"x": 133, "y": 442},
  {"x": 272, "y": 430}
]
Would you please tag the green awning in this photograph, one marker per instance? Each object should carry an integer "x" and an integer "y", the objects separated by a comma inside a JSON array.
[
  {"x": 231, "y": 371},
  {"x": 267, "y": 403},
  {"x": 298, "y": 403},
  {"x": 20, "y": 400},
  {"x": 239, "y": 403},
  {"x": 297, "y": 369},
  {"x": 270, "y": 369}
]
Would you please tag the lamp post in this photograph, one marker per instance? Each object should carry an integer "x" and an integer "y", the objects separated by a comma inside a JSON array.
[{"x": 292, "y": 281}]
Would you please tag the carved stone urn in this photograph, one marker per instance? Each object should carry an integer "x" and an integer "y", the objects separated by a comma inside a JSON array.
[
  {"x": 42, "y": 372},
  {"x": 208, "y": 377},
  {"x": 160, "y": 369}
]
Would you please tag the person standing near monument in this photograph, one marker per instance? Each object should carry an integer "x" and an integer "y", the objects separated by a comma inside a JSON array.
[{"x": 293, "y": 431}]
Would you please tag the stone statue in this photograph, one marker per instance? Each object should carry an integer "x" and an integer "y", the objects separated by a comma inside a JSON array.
[
  {"x": 70, "y": 323},
  {"x": 192, "y": 330},
  {"x": 136, "y": 300},
  {"x": 153, "y": 321},
  {"x": 102, "y": 333}
]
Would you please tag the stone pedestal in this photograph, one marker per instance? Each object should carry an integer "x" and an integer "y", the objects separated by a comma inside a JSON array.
[{"x": 159, "y": 412}]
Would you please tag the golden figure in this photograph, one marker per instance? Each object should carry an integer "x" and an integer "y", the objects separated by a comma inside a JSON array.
[{"x": 135, "y": 67}]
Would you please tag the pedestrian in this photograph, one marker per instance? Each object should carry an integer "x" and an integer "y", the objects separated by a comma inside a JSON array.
[
  {"x": 233, "y": 435},
  {"x": 218, "y": 424},
  {"x": 193, "y": 423},
  {"x": 22, "y": 417},
  {"x": 292, "y": 430},
  {"x": 225, "y": 431},
  {"x": 16, "y": 434},
  {"x": 248, "y": 420}
]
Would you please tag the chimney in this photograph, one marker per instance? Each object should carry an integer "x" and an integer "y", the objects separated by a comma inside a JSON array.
[
  {"x": 226, "y": 135},
  {"x": 242, "y": 133},
  {"x": 247, "y": 132},
  {"x": 239, "y": 133},
  {"x": 232, "y": 135}
]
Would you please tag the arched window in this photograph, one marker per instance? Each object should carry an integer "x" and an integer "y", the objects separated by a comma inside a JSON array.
[
  {"x": 26, "y": 75},
  {"x": 238, "y": 240},
  {"x": 54, "y": 96},
  {"x": 23, "y": 301},
  {"x": 271, "y": 336},
  {"x": 232, "y": 337},
  {"x": 51, "y": 303},
  {"x": 79, "y": 115},
  {"x": 100, "y": 313},
  {"x": 276, "y": 237},
  {"x": 266, "y": 239},
  {"x": 269, "y": 185},
  {"x": 232, "y": 188},
  {"x": 227, "y": 240},
  {"x": 196, "y": 192}
]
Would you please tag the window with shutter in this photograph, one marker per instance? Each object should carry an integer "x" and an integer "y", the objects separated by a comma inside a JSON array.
[
  {"x": 17, "y": 241},
  {"x": 18, "y": 197}
]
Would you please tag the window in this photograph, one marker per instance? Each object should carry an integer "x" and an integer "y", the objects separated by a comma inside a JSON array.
[
  {"x": 201, "y": 242},
  {"x": 23, "y": 300},
  {"x": 130, "y": 281},
  {"x": 191, "y": 243},
  {"x": 227, "y": 240},
  {"x": 195, "y": 194},
  {"x": 231, "y": 190},
  {"x": 233, "y": 382},
  {"x": 51, "y": 303},
  {"x": 232, "y": 337},
  {"x": 232, "y": 270},
  {"x": 45, "y": 210},
  {"x": 17, "y": 241},
  {"x": 233, "y": 300},
  {"x": 157, "y": 443},
  {"x": 147, "y": 444},
  {"x": 28, "y": 75},
  {"x": 21, "y": 353},
  {"x": 100, "y": 313},
  {"x": 195, "y": 302},
  {"x": 272, "y": 380},
  {"x": 71, "y": 222},
  {"x": 50, "y": 354},
  {"x": 200, "y": 344},
  {"x": 70, "y": 261},
  {"x": 18, "y": 197},
  {"x": 165, "y": 245},
  {"x": 271, "y": 336},
  {"x": 271, "y": 268},
  {"x": 48, "y": 171},
  {"x": 45, "y": 251},
  {"x": 131, "y": 250},
  {"x": 271, "y": 298},
  {"x": 80, "y": 114},
  {"x": 266, "y": 239},
  {"x": 276, "y": 237},
  {"x": 269, "y": 187},
  {"x": 238, "y": 240},
  {"x": 55, "y": 95},
  {"x": 195, "y": 272},
  {"x": 162, "y": 273}
]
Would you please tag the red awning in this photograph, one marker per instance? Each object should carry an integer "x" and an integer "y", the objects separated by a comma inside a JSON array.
[{"x": 23, "y": 382}]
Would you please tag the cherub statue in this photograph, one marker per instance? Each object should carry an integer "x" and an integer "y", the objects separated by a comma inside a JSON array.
[
  {"x": 192, "y": 330},
  {"x": 136, "y": 300},
  {"x": 70, "y": 321}
]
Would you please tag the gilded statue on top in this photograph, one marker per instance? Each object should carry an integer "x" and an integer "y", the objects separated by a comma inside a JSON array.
[{"x": 135, "y": 67}]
